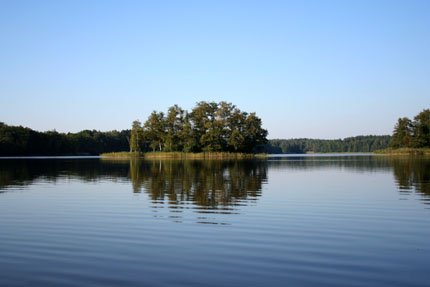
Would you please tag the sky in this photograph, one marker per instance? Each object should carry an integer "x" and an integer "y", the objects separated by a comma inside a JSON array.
[{"x": 314, "y": 69}]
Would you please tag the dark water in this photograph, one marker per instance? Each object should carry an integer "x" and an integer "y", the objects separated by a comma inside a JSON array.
[{"x": 295, "y": 221}]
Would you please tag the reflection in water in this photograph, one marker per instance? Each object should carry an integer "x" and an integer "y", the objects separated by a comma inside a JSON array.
[
  {"x": 366, "y": 163},
  {"x": 208, "y": 184},
  {"x": 324, "y": 221},
  {"x": 214, "y": 187},
  {"x": 412, "y": 174},
  {"x": 211, "y": 187},
  {"x": 18, "y": 173}
]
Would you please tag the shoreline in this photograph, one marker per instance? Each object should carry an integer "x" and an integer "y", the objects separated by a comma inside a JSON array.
[
  {"x": 403, "y": 151},
  {"x": 181, "y": 155}
]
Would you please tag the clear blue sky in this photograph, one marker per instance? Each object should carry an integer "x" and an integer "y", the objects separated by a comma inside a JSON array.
[{"x": 317, "y": 69}]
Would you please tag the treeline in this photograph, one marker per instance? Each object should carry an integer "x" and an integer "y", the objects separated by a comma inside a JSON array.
[
  {"x": 351, "y": 144},
  {"x": 412, "y": 134},
  {"x": 209, "y": 127},
  {"x": 21, "y": 141}
]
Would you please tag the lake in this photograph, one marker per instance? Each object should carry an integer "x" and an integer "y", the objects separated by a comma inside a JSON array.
[{"x": 319, "y": 220}]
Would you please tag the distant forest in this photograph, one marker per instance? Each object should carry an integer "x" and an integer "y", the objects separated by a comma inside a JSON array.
[
  {"x": 208, "y": 127},
  {"x": 21, "y": 141},
  {"x": 351, "y": 144}
]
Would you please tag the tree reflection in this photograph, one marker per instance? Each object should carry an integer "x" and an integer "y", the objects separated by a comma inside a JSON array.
[
  {"x": 412, "y": 173},
  {"x": 18, "y": 173},
  {"x": 205, "y": 183}
]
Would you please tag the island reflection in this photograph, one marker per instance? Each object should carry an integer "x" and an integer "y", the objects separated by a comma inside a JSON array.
[{"x": 209, "y": 184}]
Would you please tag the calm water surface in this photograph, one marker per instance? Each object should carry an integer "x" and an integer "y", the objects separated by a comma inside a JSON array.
[{"x": 286, "y": 221}]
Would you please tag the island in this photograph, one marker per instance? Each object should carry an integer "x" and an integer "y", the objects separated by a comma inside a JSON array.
[{"x": 209, "y": 130}]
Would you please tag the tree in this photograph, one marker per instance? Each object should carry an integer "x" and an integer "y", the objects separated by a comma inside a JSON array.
[
  {"x": 236, "y": 126},
  {"x": 203, "y": 117},
  {"x": 187, "y": 136},
  {"x": 174, "y": 126},
  {"x": 421, "y": 129},
  {"x": 254, "y": 134},
  {"x": 236, "y": 140},
  {"x": 135, "y": 136},
  {"x": 402, "y": 134},
  {"x": 154, "y": 130}
]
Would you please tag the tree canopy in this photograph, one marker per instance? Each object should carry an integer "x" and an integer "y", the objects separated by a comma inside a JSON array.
[
  {"x": 414, "y": 134},
  {"x": 21, "y": 141},
  {"x": 208, "y": 127}
]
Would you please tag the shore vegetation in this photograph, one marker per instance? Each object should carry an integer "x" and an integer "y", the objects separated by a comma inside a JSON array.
[
  {"x": 410, "y": 137},
  {"x": 182, "y": 155},
  {"x": 404, "y": 151}
]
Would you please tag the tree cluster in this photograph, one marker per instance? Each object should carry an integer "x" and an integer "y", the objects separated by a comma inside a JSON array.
[
  {"x": 413, "y": 134},
  {"x": 209, "y": 127},
  {"x": 21, "y": 141},
  {"x": 351, "y": 144}
]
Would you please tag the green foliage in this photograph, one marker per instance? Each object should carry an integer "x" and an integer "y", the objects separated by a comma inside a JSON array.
[
  {"x": 155, "y": 130},
  {"x": 236, "y": 139},
  {"x": 352, "y": 144},
  {"x": 415, "y": 134},
  {"x": 187, "y": 136},
  {"x": 421, "y": 130},
  {"x": 209, "y": 127},
  {"x": 135, "y": 136},
  {"x": 402, "y": 134},
  {"x": 174, "y": 125},
  {"x": 20, "y": 141}
]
